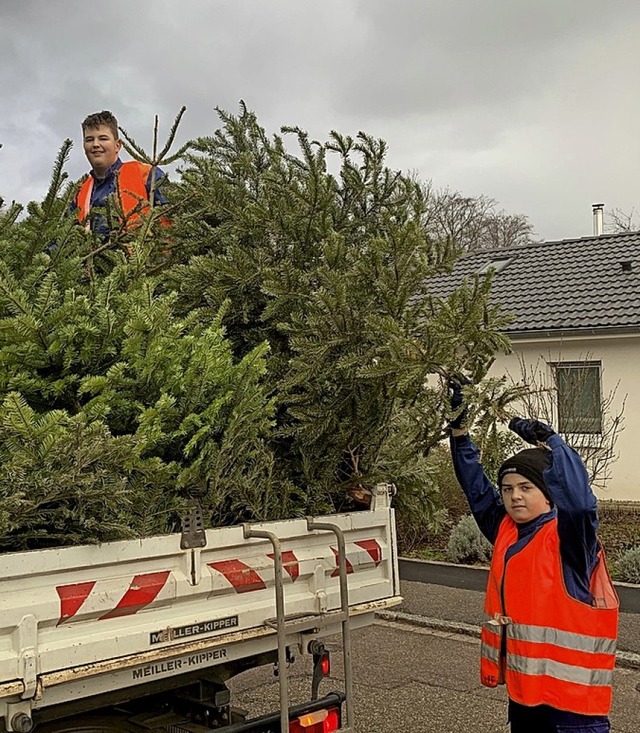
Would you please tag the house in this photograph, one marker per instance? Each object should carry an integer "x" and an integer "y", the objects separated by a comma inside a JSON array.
[{"x": 575, "y": 331}]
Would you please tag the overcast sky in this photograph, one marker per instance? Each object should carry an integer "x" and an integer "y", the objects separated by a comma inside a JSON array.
[{"x": 532, "y": 102}]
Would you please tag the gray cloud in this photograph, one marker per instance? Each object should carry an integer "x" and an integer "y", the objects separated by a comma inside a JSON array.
[{"x": 529, "y": 102}]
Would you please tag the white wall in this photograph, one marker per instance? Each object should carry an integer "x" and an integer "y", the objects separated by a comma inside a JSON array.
[{"x": 620, "y": 358}]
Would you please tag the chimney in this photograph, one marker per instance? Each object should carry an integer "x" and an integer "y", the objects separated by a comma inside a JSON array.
[{"x": 598, "y": 219}]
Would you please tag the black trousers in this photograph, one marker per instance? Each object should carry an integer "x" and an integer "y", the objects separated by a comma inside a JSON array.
[{"x": 545, "y": 719}]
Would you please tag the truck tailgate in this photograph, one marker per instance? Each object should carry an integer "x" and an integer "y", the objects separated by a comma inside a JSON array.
[{"x": 107, "y": 606}]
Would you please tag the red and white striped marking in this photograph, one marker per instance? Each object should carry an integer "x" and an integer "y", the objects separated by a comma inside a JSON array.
[
  {"x": 289, "y": 563},
  {"x": 88, "y": 599},
  {"x": 372, "y": 555},
  {"x": 242, "y": 577}
]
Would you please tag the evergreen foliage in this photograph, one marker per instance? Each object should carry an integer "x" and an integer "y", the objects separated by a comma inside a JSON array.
[
  {"x": 325, "y": 254},
  {"x": 628, "y": 566},
  {"x": 275, "y": 350},
  {"x": 467, "y": 544},
  {"x": 116, "y": 410}
]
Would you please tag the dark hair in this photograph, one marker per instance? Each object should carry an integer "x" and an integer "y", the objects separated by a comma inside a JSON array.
[{"x": 101, "y": 118}]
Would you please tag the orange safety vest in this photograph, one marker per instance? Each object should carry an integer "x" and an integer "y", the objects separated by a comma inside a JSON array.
[
  {"x": 548, "y": 647},
  {"x": 131, "y": 183}
]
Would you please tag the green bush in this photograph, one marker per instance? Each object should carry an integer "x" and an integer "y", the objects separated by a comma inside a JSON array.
[
  {"x": 467, "y": 544},
  {"x": 628, "y": 566}
]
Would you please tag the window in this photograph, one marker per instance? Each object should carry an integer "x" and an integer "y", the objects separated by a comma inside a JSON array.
[{"x": 579, "y": 397}]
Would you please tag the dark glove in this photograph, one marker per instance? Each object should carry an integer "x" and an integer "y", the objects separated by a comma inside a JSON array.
[
  {"x": 532, "y": 431},
  {"x": 456, "y": 400}
]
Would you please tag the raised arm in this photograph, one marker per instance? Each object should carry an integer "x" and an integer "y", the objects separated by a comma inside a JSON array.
[{"x": 484, "y": 500}]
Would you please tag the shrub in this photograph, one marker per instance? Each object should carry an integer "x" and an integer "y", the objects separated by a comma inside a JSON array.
[
  {"x": 628, "y": 566},
  {"x": 619, "y": 528},
  {"x": 467, "y": 544}
]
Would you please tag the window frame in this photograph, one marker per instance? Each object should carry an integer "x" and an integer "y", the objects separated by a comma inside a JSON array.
[{"x": 581, "y": 422}]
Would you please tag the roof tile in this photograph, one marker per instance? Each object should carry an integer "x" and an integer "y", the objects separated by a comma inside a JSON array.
[{"x": 571, "y": 284}]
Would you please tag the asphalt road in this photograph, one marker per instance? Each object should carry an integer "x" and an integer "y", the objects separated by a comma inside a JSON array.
[
  {"x": 416, "y": 680},
  {"x": 422, "y": 676}
]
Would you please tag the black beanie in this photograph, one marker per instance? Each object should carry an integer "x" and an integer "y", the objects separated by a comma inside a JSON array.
[{"x": 529, "y": 463}]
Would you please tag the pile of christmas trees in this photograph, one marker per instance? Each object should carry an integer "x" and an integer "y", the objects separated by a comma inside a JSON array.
[{"x": 274, "y": 349}]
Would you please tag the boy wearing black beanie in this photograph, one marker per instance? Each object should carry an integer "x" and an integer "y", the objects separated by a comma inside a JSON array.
[
  {"x": 524, "y": 492},
  {"x": 552, "y": 611}
]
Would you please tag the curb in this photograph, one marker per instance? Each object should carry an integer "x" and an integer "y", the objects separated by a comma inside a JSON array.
[
  {"x": 412, "y": 619},
  {"x": 628, "y": 660},
  {"x": 474, "y": 577}
]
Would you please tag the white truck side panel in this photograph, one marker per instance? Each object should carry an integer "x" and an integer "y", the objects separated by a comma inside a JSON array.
[{"x": 95, "y": 614}]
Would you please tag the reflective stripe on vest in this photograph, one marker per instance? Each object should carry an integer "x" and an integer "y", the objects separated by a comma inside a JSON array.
[
  {"x": 536, "y": 664},
  {"x": 559, "y": 671},
  {"x": 547, "y": 635},
  {"x": 551, "y": 648}
]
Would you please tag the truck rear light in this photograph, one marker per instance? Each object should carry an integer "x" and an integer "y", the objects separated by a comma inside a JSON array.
[
  {"x": 321, "y": 721},
  {"x": 325, "y": 664},
  {"x": 321, "y": 665}
]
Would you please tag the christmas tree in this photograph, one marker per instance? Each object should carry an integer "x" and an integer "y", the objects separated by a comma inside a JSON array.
[
  {"x": 325, "y": 254},
  {"x": 275, "y": 352}
]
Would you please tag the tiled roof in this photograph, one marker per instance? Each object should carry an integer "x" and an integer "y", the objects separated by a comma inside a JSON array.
[{"x": 567, "y": 285}]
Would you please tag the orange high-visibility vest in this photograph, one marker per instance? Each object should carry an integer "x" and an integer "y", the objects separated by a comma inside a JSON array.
[
  {"x": 549, "y": 648},
  {"x": 131, "y": 188}
]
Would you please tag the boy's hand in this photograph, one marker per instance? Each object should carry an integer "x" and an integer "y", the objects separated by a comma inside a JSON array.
[
  {"x": 532, "y": 431},
  {"x": 456, "y": 400}
]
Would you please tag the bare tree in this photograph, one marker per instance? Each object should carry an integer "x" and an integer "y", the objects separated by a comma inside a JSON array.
[
  {"x": 546, "y": 399},
  {"x": 502, "y": 230},
  {"x": 461, "y": 218},
  {"x": 472, "y": 222},
  {"x": 619, "y": 221}
]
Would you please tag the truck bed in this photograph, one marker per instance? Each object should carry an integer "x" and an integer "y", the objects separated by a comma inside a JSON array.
[{"x": 87, "y": 620}]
